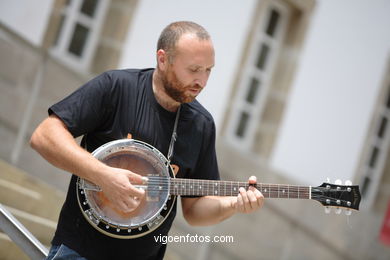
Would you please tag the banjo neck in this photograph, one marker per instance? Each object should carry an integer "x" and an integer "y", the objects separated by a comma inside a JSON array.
[
  {"x": 195, "y": 187},
  {"x": 333, "y": 195}
]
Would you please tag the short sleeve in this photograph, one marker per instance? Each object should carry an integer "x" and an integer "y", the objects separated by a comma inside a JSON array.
[{"x": 87, "y": 108}]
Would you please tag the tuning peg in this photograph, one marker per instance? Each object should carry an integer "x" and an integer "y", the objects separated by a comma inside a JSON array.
[
  {"x": 327, "y": 210},
  {"x": 337, "y": 211},
  {"x": 348, "y": 212},
  {"x": 348, "y": 182},
  {"x": 338, "y": 182}
]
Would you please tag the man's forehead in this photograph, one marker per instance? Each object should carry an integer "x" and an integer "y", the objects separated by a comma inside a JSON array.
[{"x": 191, "y": 39}]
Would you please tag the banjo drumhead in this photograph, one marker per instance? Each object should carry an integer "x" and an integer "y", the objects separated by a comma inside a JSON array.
[{"x": 139, "y": 158}]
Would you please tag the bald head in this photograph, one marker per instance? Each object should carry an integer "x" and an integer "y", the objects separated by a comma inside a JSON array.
[{"x": 173, "y": 32}]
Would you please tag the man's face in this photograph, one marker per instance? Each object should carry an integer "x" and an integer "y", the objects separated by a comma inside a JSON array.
[{"x": 187, "y": 75}]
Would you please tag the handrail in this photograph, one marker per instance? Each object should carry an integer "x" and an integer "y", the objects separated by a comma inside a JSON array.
[{"x": 21, "y": 236}]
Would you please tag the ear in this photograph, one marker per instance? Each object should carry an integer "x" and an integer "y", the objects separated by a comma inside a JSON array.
[{"x": 162, "y": 59}]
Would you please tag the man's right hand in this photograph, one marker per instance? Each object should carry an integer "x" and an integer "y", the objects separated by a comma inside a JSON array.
[{"x": 118, "y": 187}]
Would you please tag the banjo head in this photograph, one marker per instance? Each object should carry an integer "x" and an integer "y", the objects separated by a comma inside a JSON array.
[{"x": 145, "y": 160}]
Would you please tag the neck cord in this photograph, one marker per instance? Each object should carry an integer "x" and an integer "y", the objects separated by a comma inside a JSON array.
[{"x": 174, "y": 136}]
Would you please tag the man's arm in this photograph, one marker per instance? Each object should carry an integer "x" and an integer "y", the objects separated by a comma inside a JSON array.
[
  {"x": 56, "y": 144},
  {"x": 209, "y": 210}
]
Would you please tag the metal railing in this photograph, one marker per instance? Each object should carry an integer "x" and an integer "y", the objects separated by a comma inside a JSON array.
[{"x": 21, "y": 236}]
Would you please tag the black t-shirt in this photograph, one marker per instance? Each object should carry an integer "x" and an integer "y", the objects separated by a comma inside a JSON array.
[{"x": 108, "y": 108}]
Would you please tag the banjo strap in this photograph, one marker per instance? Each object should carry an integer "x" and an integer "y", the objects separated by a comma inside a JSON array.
[{"x": 174, "y": 136}]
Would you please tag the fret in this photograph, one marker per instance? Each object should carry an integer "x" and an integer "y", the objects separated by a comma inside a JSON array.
[
  {"x": 298, "y": 192},
  {"x": 280, "y": 191},
  {"x": 259, "y": 186},
  {"x": 175, "y": 188},
  {"x": 288, "y": 191},
  {"x": 265, "y": 190},
  {"x": 283, "y": 191},
  {"x": 274, "y": 191},
  {"x": 236, "y": 188},
  {"x": 268, "y": 189}
]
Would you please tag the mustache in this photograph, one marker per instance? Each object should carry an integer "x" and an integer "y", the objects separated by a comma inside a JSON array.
[{"x": 196, "y": 86}]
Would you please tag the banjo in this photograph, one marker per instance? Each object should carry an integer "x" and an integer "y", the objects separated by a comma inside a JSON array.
[{"x": 162, "y": 188}]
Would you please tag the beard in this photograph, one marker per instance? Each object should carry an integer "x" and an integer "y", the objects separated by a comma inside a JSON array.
[{"x": 175, "y": 89}]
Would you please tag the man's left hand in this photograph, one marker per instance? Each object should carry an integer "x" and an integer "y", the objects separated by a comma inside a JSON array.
[{"x": 249, "y": 200}]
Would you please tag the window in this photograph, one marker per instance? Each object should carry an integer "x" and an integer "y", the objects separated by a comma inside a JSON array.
[
  {"x": 242, "y": 124},
  {"x": 78, "y": 30},
  {"x": 375, "y": 160},
  {"x": 253, "y": 91},
  {"x": 88, "y": 7},
  {"x": 79, "y": 38},
  {"x": 258, "y": 69}
]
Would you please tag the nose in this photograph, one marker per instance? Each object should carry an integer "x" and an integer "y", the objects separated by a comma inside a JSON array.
[{"x": 202, "y": 79}]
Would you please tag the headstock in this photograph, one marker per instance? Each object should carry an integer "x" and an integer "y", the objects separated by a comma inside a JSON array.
[{"x": 337, "y": 195}]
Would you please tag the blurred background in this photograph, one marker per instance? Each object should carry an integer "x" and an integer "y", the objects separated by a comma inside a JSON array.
[{"x": 300, "y": 94}]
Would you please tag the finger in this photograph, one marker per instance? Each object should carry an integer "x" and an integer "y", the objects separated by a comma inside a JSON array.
[
  {"x": 240, "y": 203},
  {"x": 136, "y": 192},
  {"x": 252, "y": 180},
  {"x": 245, "y": 199},
  {"x": 123, "y": 206},
  {"x": 135, "y": 178},
  {"x": 132, "y": 203},
  {"x": 259, "y": 198},
  {"x": 252, "y": 199}
]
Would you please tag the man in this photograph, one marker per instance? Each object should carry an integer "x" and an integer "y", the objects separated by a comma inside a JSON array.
[{"x": 144, "y": 103}]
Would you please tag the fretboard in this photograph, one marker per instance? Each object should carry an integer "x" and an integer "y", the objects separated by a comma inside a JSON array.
[{"x": 194, "y": 187}]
